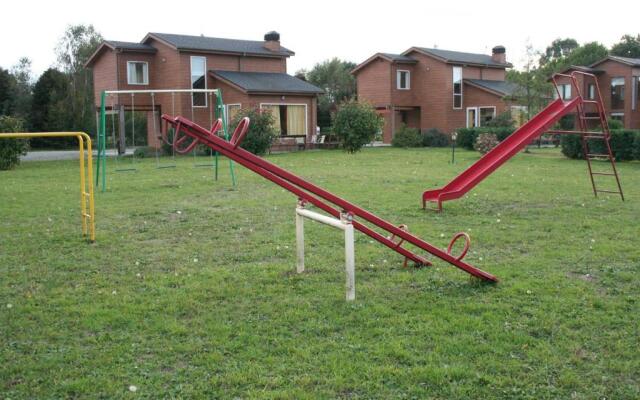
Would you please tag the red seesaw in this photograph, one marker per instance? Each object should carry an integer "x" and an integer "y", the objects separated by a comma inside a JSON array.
[{"x": 308, "y": 192}]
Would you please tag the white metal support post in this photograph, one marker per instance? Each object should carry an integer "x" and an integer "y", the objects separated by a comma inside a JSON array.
[{"x": 345, "y": 224}]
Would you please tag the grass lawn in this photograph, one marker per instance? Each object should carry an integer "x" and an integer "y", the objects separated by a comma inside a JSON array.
[{"x": 191, "y": 290}]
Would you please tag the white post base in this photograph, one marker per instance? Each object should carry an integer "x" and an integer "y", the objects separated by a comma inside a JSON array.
[{"x": 345, "y": 224}]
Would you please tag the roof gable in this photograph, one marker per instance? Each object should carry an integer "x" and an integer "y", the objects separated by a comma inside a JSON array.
[
  {"x": 500, "y": 88},
  {"x": 390, "y": 57},
  {"x": 217, "y": 45},
  {"x": 632, "y": 62},
  {"x": 458, "y": 57},
  {"x": 115, "y": 45}
]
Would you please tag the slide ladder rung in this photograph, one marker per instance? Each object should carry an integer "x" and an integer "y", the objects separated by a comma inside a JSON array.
[
  {"x": 608, "y": 191},
  {"x": 594, "y": 137},
  {"x": 603, "y": 173},
  {"x": 598, "y": 155}
]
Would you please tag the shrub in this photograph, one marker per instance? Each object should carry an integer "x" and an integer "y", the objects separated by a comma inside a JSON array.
[
  {"x": 166, "y": 147},
  {"x": 435, "y": 138},
  {"x": 407, "y": 137},
  {"x": 615, "y": 124},
  {"x": 145, "y": 151},
  {"x": 356, "y": 124},
  {"x": 485, "y": 142},
  {"x": 11, "y": 149},
  {"x": 262, "y": 131},
  {"x": 625, "y": 145},
  {"x": 467, "y": 136}
]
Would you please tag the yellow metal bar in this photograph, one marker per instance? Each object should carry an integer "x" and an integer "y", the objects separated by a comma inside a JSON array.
[{"x": 88, "y": 227}]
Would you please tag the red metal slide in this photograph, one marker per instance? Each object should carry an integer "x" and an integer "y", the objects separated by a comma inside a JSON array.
[
  {"x": 535, "y": 127},
  {"x": 188, "y": 134}
]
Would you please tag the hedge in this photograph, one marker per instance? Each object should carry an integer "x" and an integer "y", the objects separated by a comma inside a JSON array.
[{"x": 625, "y": 145}]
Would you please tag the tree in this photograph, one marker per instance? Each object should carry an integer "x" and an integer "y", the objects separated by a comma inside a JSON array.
[
  {"x": 11, "y": 149},
  {"x": 7, "y": 92},
  {"x": 532, "y": 86},
  {"x": 559, "y": 49},
  {"x": 49, "y": 111},
  {"x": 356, "y": 124},
  {"x": 73, "y": 50},
  {"x": 335, "y": 79},
  {"x": 23, "y": 78},
  {"x": 628, "y": 46},
  {"x": 585, "y": 54}
]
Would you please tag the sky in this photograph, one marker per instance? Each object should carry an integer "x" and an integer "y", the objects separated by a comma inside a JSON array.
[{"x": 319, "y": 30}]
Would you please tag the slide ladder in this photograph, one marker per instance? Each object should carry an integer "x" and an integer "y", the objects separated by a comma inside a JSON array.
[
  {"x": 599, "y": 133},
  {"x": 188, "y": 134},
  {"x": 529, "y": 131}
]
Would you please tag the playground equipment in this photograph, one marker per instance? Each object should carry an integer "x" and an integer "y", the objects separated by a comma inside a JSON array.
[
  {"x": 309, "y": 193},
  {"x": 87, "y": 205},
  {"x": 535, "y": 127},
  {"x": 150, "y": 103}
]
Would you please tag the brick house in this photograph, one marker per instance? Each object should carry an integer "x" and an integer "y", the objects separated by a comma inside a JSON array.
[
  {"x": 434, "y": 88},
  {"x": 248, "y": 73},
  {"x": 619, "y": 82}
]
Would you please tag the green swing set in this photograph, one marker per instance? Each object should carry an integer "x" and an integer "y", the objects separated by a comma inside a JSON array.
[{"x": 219, "y": 112}]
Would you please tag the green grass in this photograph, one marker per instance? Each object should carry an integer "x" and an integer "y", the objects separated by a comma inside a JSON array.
[{"x": 191, "y": 290}]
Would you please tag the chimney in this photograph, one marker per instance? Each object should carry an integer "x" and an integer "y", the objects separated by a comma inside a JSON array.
[
  {"x": 499, "y": 55},
  {"x": 272, "y": 41}
]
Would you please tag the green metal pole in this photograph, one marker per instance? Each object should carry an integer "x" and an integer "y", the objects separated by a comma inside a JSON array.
[{"x": 100, "y": 159}]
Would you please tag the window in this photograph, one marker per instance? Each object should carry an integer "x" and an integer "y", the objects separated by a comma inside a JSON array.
[
  {"x": 635, "y": 97},
  {"x": 457, "y": 87},
  {"x": 486, "y": 114},
  {"x": 137, "y": 73},
  {"x": 591, "y": 91},
  {"x": 403, "y": 79},
  {"x": 617, "y": 93},
  {"x": 565, "y": 92},
  {"x": 618, "y": 117},
  {"x": 198, "y": 81},
  {"x": 290, "y": 119},
  {"x": 232, "y": 110},
  {"x": 479, "y": 116}
]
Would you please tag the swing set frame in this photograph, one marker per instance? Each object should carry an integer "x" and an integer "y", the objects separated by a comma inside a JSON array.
[{"x": 219, "y": 112}]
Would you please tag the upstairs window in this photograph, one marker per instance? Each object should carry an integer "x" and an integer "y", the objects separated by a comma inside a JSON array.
[
  {"x": 565, "y": 92},
  {"x": 137, "y": 73},
  {"x": 635, "y": 97},
  {"x": 403, "y": 79},
  {"x": 457, "y": 87},
  {"x": 617, "y": 93},
  {"x": 198, "y": 81}
]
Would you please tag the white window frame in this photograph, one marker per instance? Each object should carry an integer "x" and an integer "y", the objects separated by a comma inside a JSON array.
[
  {"x": 226, "y": 111},
  {"x": 476, "y": 118},
  {"x": 591, "y": 87},
  {"x": 618, "y": 114},
  {"x": 495, "y": 113},
  {"x": 453, "y": 90},
  {"x": 635, "y": 93},
  {"x": 407, "y": 80},
  {"x": 145, "y": 76},
  {"x": 306, "y": 115},
  {"x": 206, "y": 100}
]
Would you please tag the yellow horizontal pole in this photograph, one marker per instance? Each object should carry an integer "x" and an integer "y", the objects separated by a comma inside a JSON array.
[{"x": 82, "y": 138}]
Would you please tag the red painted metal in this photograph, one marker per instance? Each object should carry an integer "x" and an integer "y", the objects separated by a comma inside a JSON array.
[
  {"x": 535, "y": 127},
  {"x": 467, "y": 244},
  {"x": 500, "y": 154},
  {"x": 319, "y": 197}
]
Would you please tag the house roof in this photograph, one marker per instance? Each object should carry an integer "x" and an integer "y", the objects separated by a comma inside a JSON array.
[
  {"x": 119, "y": 46},
  {"x": 633, "y": 62},
  {"x": 458, "y": 57},
  {"x": 130, "y": 46},
  {"x": 397, "y": 58},
  {"x": 582, "y": 68},
  {"x": 219, "y": 45},
  {"x": 501, "y": 88},
  {"x": 265, "y": 82}
]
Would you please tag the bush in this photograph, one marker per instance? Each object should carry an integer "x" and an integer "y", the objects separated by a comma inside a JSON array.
[
  {"x": 485, "y": 142},
  {"x": 11, "y": 149},
  {"x": 356, "y": 124},
  {"x": 166, "y": 147},
  {"x": 435, "y": 138},
  {"x": 625, "y": 145},
  {"x": 467, "y": 136},
  {"x": 615, "y": 124},
  {"x": 407, "y": 137},
  {"x": 262, "y": 131},
  {"x": 145, "y": 151}
]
